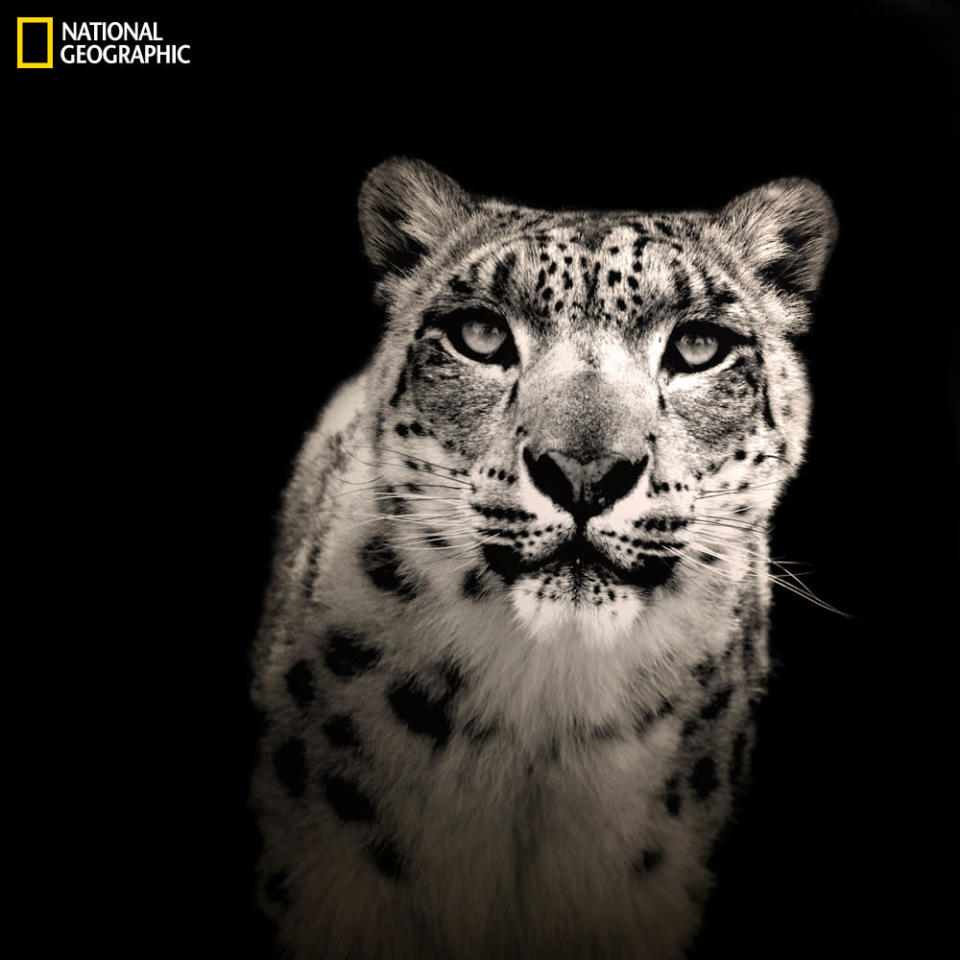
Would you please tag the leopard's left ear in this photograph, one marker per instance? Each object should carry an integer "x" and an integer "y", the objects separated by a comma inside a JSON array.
[{"x": 785, "y": 231}]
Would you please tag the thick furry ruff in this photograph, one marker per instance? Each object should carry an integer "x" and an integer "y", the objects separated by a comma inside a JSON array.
[{"x": 498, "y": 722}]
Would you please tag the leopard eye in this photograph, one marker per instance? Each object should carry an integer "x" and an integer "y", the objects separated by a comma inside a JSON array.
[
  {"x": 698, "y": 346},
  {"x": 481, "y": 335}
]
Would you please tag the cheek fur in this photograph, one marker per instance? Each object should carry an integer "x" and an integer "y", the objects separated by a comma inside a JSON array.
[
  {"x": 723, "y": 408},
  {"x": 457, "y": 399}
]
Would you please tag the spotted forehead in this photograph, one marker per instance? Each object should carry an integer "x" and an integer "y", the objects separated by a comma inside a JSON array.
[{"x": 625, "y": 274}]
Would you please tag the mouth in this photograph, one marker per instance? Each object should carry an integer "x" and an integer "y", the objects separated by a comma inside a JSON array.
[{"x": 580, "y": 560}]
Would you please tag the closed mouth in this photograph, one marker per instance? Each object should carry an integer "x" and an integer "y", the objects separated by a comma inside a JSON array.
[{"x": 579, "y": 557}]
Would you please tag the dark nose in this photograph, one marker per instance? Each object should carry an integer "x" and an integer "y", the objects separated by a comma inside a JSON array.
[{"x": 583, "y": 489}]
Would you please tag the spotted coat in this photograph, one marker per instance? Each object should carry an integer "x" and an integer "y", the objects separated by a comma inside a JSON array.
[{"x": 517, "y": 627}]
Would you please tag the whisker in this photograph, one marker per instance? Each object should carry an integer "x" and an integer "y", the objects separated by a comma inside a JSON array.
[
  {"x": 684, "y": 558},
  {"x": 807, "y": 594},
  {"x": 356, "y": 483},
  {"x": 406, "y": 456},
  {"x": 734, "y": 491},
  {"x": 389, "y": 489},
  {"x": 731, "y": 523},
  {"x": 432, "y": 463},
  {"x": 417, "y": 496},
  {"x": 789, "y": 579}
]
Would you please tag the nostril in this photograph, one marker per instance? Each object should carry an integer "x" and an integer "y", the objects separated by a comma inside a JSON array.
[
  {"x": 619, "y": 480},
  {"x": 549, "y": 478}
]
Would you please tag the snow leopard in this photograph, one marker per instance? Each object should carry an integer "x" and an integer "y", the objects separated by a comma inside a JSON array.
[{"x": 516, "y": 632}]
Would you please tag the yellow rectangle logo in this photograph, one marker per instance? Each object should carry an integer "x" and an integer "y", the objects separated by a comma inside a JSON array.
[{"x": 34, "y": 64}]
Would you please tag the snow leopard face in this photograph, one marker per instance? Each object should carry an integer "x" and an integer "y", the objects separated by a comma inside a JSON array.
[{"x": 589, "y": 413}]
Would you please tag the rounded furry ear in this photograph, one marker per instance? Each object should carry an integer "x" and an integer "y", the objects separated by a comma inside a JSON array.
[
  {"x": 406, "y": 208},
  {"x": 785, "y": 232}
]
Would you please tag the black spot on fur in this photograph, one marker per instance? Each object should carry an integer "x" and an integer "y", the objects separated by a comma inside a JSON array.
[
  {"x": 649, "y": 860},
  {"x": 717, "y": 705},
  {"x": 341, "y": 731},
  {"x": 290, "y": 763},
  {"x": 346, "y": 656},
  {"x": 473, "y": 585},
  {"x": 768, "y": 414},
  {"x": 310, "y": 574},
  {"x": 501, "y": 276},
  {"x": 704, "y": 670},
  {"x": 672, "y": 800},
  {"x": 682, "y": 283},
  {"x": 613, "y": 278},
  {"x": 300, "y": 683},
  {"x": 392, "y": 505},
  {"x": 458, "y": 286},
  {"x": 433, "y": 539},
  {"x": 382, "y": 566},
  {"x": 704, "y": 780},
  {"x": 386, "y": 858},
  {"x": 422, "y": 712},
  {"x": 347, "y": 800}
]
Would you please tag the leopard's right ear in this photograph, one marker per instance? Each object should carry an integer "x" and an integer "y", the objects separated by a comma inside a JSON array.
[{"x": 406, "y": 208}]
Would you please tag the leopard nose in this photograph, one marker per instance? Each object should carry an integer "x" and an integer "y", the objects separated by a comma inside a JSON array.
[{"x": 583, "y": 489}]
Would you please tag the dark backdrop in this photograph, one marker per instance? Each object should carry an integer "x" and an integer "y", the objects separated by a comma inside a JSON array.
[{"x": 186, "y": 288}]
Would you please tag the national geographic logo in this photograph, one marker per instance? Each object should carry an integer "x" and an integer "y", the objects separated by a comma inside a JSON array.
[
  {"x": 101, "y": 42},
  {"x": 34, "y": 42}
]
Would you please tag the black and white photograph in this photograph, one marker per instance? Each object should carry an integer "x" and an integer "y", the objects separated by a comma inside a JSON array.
[{"x": 484, "y": 482}]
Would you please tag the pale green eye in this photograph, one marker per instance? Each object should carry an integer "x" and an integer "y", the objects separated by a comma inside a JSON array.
[
  {"x": 481, "y": 337},
  {"x": 697, "y": 349}
]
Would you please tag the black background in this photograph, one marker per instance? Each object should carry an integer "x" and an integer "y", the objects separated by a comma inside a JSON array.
[{"x": 186, "y": 287}]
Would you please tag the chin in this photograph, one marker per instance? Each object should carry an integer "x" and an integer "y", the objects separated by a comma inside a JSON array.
[{"x": 570, "y": 614}]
